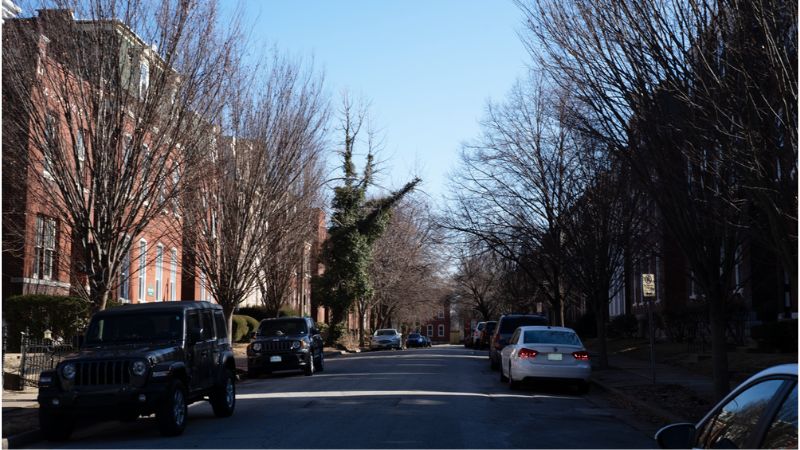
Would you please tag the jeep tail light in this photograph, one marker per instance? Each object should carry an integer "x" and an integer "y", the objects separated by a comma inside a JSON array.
[
  {"x": 527, "y": 353},
  {"x": 581, "y": 355}
]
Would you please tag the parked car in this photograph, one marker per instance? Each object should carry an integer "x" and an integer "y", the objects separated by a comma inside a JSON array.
[
  {"x": 386, "y": 338},
  {"x": 142, "y": 359},
  {"x": 486, "y": 334},
  {"x": 476, "y": 334},
  {"x": 505, "y": 327},
  {"x": 415, "y": 340},
  {"x": 759, "y": 413},
  {"x": 544, "y": 352},
  {"x": 427, "y": 340},
  {"x": 286, "y": 343}
]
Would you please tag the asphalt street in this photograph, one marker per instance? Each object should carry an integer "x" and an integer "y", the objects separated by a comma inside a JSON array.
[{"x": 440, "y": 397}]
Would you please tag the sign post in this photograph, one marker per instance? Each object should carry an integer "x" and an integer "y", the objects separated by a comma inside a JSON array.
[{"x": 649, "y": 293}]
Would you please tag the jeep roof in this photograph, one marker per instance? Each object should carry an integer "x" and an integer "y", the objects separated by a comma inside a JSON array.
[{"x": 161, "y": 306}]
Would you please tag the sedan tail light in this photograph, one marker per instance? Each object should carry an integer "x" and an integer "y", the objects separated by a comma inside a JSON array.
[
  {"x": 581, "y": 355},
  {"x": 527, "y": 353}
]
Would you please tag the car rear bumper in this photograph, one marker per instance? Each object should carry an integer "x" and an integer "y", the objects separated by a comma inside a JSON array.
[{"x": 527, "y": 370}]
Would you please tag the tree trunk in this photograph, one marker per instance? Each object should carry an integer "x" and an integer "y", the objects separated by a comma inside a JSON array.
[
  {"x": 361, "y": 318},
  {"x": 99, "y": 294},
  {"x": 601, "y": 310},
  {"x": 719, "y": 350}
]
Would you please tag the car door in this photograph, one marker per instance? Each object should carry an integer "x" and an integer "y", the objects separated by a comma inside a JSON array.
[
  {"x": 201, "y": 350},
  {"x": 316, "y": 339},
  {"x": 737, "y": 423},
  {"x": 505, "y": 354}
]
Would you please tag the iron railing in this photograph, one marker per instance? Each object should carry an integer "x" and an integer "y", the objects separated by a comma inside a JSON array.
[{"x": 39, "y": 355}]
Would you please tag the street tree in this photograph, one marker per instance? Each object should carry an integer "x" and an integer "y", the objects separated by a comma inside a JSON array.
[
  {"x": 675, "y": 88},
  {"x": 356, "y": 224},
  {"x": 269, "y": 137},
  {"x": 105, "y": 108}
]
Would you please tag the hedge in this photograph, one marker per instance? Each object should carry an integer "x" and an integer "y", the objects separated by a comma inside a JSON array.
[
  {"x": 776, "y": 336},
  {"x": 64, "y": 316},
  {"x": 256, "y": 312},
  {"x": 243, "y": 326}
]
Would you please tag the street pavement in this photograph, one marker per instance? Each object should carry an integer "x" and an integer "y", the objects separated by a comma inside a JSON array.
[{"x": 441, "y": 397}]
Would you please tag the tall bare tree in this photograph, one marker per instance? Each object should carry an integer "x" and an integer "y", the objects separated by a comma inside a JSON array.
[
  {"x": 105, "y": 103},
  {"x": 270, "y": 135},
  {"x": 517, "y": 183},
  {"x": 668, "y": 86}
]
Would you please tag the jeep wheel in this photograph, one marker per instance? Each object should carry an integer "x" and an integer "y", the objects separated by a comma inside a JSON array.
[
  {"x": 171, "y": 415},
  {"x": 55, "y": 427},
  {"x": 223, "y": 397},
  {"x": 309, "y": 369},
  {"x": 321, "y": 362}
]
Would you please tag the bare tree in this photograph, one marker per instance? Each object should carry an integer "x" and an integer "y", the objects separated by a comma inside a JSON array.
[
  {"x": 517, "y": 182},
  {"x": 658, "y": 79},
  {"x": 271, "y": 134},
  {"x": 404, "y": 267},
  {"x": 106, "y": 113},
  {"x": 477, "y": 284}
]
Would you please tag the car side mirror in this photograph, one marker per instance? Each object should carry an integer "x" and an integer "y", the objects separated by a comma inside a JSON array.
[
  {"x": 195, "y": 335},
  {"x": 677, "y": 435}
]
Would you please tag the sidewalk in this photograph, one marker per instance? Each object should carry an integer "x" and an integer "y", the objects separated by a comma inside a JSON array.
[
  {"x": 678, "y": 395},
  {"x": 20, "y": 418}
]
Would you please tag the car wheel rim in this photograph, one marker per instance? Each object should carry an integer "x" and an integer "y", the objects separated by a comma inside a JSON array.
[
  {"x": 180, "y": 413},
  {"x": 229, "y": 392}
]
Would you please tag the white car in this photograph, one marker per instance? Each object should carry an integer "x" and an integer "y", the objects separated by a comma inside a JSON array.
[
  {"x": 544, "y": 352},
  {"x": 386, "y": 338},
  {"x": 476, "y": 334}
]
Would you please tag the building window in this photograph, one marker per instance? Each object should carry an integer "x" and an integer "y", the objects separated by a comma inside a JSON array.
[
  {"x": 45, "y": 247},
  {"x": 142, "y": 270},
  {"x": 175, "y": 180},
  {"x": 159, "y": 269},
  {"x": 441, "y": 314},
  {"x": 441, "y": 330},
  {"x": 173, "y": 275},
  {"x": 80, "y": 150},
  {"x": 203, "y": 286},
  {"x": 125, "y": 278},
  {"x": 430, "y": 330},
  {"x": 144, "y": 78},
  {"x": 49, "y": 144}
]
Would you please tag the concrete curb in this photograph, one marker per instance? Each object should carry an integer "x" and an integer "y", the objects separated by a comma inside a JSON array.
[
  {"x": 660, "y": 413},
  {"x": 23, "y": 439}
]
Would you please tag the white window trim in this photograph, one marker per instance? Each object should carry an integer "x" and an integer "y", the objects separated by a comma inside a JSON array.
[
  {"x": 142, "y": 271},
  {"x": 159, "y": 272},
  {"x": 430, "y": 330},
  {"x": 128, "y": 280},
  {"x": 173, "y": 274},
  {"x": 440, "y": 331}
]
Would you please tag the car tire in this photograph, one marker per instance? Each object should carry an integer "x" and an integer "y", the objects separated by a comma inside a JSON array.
[
  {"x": 583, "y": 387},
  {"x": 223, "y": 397},
  {"x": 171, "y": 414},
  {"x": 512, "y": 383},
  {"x": 308, "y": 370},
  {"x": 321, "y": 362},
  {"x": 54, "y": 426},
  {"x": 503, "y": 377}
]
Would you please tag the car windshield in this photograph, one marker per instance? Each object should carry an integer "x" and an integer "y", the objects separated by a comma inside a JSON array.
[
  {"x": 385, "y": 333},
  {"x": 509, "y": 324},
  {"x": 551, "y": 337},
  {"x": 282, "y": 327},
  {"x": 138, "y": 327}
]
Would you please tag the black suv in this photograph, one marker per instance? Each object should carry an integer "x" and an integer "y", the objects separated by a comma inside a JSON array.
[
  {"x": 285, "y": 343},
  {"x": 505, "y": 328},
  {"x": 142, "y": 359}
]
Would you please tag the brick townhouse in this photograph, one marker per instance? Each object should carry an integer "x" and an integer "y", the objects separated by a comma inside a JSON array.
[{"x": 39, "y": 250}]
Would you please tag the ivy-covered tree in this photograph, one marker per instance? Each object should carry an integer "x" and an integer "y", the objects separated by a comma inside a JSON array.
[{"x": 356, "y": 223}]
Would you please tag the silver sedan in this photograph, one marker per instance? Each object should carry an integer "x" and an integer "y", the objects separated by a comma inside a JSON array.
[{"x": 544, "y": 352}]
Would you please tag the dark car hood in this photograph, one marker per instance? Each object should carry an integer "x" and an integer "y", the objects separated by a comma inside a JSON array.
[
  {"x": 155, "y": 353},
  {"x": 285, "y": 337}
]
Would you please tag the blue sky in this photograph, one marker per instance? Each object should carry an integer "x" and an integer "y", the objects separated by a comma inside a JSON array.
[{"x": 427, "y": 67}]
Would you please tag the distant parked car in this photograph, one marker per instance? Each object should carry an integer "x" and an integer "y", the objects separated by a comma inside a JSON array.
[
  {"x": 386, "y": 338},
  {"x": 544, "y": 352},
  {"x": 505, "y": 327},
  {"x": 486, "y": 334},
  {"x": 285, "y": 343},
  {"x": 427, "y": 341},
  {"x": 760, "y": 413},
  {"x": 476, "y": 334},
  {"x": 416, "y": 340}
]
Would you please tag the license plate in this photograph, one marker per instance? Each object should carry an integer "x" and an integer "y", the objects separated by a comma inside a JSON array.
[
  {"x": 274, "y": 359},
  {"x": 555, "y": 356}
]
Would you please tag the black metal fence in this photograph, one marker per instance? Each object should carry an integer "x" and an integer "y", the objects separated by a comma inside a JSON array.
[{"x": 39, "y": 355}]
